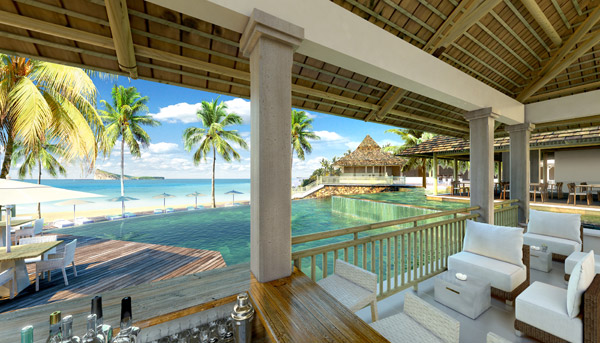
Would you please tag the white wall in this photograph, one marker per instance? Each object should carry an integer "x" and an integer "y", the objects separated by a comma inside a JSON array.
[{"x": 577, "y": 166}]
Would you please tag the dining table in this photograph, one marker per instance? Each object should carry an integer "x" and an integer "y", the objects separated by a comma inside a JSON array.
[
  {"x": 13, "y": 223},
  {"x": 584, "y": 188},
  {"x": 16, "y": 259}
]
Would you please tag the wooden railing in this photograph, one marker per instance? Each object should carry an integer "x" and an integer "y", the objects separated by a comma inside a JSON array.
[
  {"x": 401, "y": 258},
  {"x": 507, "y": 213}
]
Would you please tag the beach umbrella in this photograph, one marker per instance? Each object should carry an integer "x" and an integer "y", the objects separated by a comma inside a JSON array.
[
  {"x": 164, "y": 196},
  {"x": 74, "y": 202},
  {"x": 233, "y": 193},
  {"x": 18, "y": 192},
  {"x": 122, "y": 199},
  {"x": 196, "y": 195}
]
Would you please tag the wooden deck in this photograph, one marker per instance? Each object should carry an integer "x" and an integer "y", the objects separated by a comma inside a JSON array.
[{"x": 105, "y": 265}]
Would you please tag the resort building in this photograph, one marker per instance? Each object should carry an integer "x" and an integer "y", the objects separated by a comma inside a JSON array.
[
  {"x": 466, "y": 69},
  {"x": 369, "y": 160}
]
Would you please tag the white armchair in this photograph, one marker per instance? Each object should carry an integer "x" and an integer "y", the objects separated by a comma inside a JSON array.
[
  {"x": 420, "y": 322},
  {"x": 57, "y": 262},
  {"x": 561, "y": 232},
  {"x": 354, "y": 287},
  {"x": 9, "y": 276}
]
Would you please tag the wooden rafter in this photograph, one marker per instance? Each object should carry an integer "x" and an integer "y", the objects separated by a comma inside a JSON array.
[
  {"x": 565, "y": 56},
  {"x": 467, "y": 20},
  {"x": 434, "y": 41},
  {"x": 121, "y": 33},
  {"x": 539, "y": 16},
  {"x": 398, "y": 94}
]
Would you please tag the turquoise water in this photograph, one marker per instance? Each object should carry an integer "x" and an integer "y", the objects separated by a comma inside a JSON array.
[
  {"x": 143, "y": 190},
  {"x": 413, "y": 197}
]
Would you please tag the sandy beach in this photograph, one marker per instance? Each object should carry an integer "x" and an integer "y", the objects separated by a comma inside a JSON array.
[{"x": 50, "y": 217}]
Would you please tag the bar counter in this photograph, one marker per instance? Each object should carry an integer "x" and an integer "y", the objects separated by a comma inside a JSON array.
[{"x": 292, "y": 309}]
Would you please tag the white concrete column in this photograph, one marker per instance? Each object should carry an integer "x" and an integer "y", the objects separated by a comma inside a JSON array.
[
  {"x": 435, "y": 174},
  {"x": 270, "y": 42},
  {"x": 534, "y": 169},
  {"x": 455, "y": 171},
  {"x": 519, "y": 166},
  {"x": 481, "y": 124},
  {"x": 545, "y": 168}
]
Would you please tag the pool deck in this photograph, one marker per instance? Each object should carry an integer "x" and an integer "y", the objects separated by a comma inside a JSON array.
[{"x": 105, "y": 265}]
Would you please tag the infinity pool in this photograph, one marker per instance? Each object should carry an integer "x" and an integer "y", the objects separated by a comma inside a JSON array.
[{"x": 228, "y": 229}]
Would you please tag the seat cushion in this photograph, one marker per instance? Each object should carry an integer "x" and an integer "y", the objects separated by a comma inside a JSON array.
[
  {"x": 402, "y": 328},
  {"x": 502, "y": 275},
  {"x": 575, "y": 257},
  {"x": 545, "y": 307},
  {"x": 349, "y": 294},
  {"x": 560, "y": 225},
  {"x": 556, "y": 245}
]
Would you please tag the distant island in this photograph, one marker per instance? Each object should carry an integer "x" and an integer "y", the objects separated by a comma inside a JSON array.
[{"x": 104, "y": 175}]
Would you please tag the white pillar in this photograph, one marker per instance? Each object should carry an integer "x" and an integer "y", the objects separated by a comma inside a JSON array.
[
  {"x": 534, "y": 169},
  {"x": 545, "y": 168},
  {"x": 505, "y": 166},
  {"x": 270, "y": 42},
  {"x": 455, "y": 171},
  {"x": 481, "y": 125},
  {"x": 435, "y": 174},
  {"x": 519, "y": 166}
]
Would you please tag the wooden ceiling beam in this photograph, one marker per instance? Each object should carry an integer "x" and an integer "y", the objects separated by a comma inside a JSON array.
[
  {"x": 120, "y": 28},
  {"x": 565, "y": 56},
  {"x": 398, "y": 94},
  {"x": 573, "y": 89},
  {"x": 465, "y": 22},
  {"x": 432, "y": 44},
  {"x": 539, "y": 16}
]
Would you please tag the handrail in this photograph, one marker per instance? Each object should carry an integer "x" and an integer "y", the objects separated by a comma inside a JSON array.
[
  {"x": 361, "y": 228},
  {"x": 373, "y": 238}
]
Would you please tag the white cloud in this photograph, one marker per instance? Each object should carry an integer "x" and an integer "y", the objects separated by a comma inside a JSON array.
[
  {"x": 183, "y": 112},
  {"x": 240, "y": 107},
  {"x": 329, "y": 136},
  {"x": 162, "y": 147},
  {"x": 310, "y": 115},
  {"x": 352, "y": 145}
]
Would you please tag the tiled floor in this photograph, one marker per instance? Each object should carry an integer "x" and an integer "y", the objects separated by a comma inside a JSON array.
[{"x": 499, "y": 318}]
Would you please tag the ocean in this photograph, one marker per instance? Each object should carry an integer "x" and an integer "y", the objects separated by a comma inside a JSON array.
[{"x": 143, "y": 190}]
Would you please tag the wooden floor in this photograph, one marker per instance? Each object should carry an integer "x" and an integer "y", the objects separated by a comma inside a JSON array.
[{"x": 104, "y": 265}]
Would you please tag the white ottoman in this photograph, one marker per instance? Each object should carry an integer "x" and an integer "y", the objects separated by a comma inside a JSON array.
[{"x": 575, "y": 257}]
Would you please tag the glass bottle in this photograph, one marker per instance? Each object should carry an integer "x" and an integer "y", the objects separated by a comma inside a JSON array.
[
  {"x": 92, "y": 335},
  {"x": 105, "y": 330},
  {"x": 66, "y": 328},
  {"x": 128, "y": 333},
  {"x": 54, "y": 335},
  {"x": 27, "y": 334}
]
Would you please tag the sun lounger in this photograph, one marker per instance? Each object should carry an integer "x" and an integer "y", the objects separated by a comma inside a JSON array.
[
  {"x": 130, "y": 215},
  {"x": 63, "y": 223},
  {"x": 83, "y": 220},
  {"x": 115, "y": 217},
  {"x": 158, "y": 211},
  {"x": 170, "y": 210}
]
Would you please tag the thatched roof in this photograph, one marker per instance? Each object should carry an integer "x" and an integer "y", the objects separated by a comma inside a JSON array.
[
  {"x": 369, "y": 153},
  {"x": 554, "y": 139}
]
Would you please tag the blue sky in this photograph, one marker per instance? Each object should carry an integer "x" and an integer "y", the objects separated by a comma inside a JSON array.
[{"x": 175, "y": 107}]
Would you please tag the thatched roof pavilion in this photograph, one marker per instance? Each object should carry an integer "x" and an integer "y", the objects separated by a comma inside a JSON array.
[{"x": 368, "y": 158}]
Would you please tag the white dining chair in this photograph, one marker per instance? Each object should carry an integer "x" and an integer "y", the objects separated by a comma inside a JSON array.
[
  {"x": 61, "y": 261},
  {"x": 39, "y": 239},
  {"x": 9, "y": 276}
]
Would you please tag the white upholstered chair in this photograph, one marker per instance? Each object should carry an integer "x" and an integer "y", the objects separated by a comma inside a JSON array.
[
  {"x": 7, "y": 276},
  {"x": 354, "y": 287},
  {"x": 420, "y": 322},
  {"x": 561, "y": 232},
  {"x": 57, "y": 262},
  {"x": 36, "y": 229},
  {"x": 553, "y": 314}
]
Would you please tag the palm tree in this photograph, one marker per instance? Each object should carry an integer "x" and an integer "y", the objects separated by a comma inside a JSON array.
[
  {"x": 410, "y": 138},
  {"x": 214, "y": 136},
  {"x": 46, "y": 101},
  {"x": 301, "y": 133},
  {"x": 124, "y": 119},
  {"x": 42, "y": 157}
]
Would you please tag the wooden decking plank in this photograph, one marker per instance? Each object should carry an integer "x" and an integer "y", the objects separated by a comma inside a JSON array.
[{"x": 106, "y": 265}]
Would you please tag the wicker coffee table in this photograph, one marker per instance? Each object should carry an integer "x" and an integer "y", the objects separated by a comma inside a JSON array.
[{"x": 470, "y": 297}]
